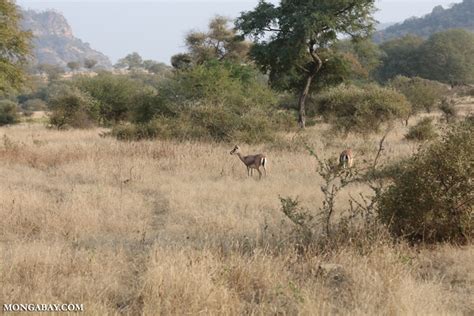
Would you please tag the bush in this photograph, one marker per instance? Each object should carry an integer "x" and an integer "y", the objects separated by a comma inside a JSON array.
[
  {"x": 360, "y": 109},
  {"x": 206, "y": 123},
  {"x": 421, "y": 93},
  {"x": 8, "y": 112},
  {"x": 432, "y": 194},
  {"x": 72, "y": 108},
  {"x": 422, "y": 131},
  {"x": 114, "y": 94},
  {"x": 449, "y": 110},
  {"x": 214, "y": 101}
]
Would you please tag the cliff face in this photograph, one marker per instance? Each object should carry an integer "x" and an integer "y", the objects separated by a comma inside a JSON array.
[{"x": 54, "y": 42}]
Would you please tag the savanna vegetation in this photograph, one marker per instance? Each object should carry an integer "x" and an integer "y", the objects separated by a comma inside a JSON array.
[{"x": 119, "y": 191}]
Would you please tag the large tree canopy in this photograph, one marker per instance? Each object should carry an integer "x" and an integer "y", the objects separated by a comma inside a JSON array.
[
  {"x": 448, "y": 57},
  {"x": 219, "y": 42},
  {"x": 400, "y": 57},
  {"x": 14, "y": 47},
  {"x": 291, "y": 39}
]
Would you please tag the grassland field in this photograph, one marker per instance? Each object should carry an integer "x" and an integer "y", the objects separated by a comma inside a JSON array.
[{"x": 163, "y": 227}]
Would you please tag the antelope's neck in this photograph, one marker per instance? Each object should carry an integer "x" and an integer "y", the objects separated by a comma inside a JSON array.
[{"x": 241, "y": 157}]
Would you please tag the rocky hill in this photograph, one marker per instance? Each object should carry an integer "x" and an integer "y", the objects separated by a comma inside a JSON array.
[
  {"x": 54, "y": 42},
  {"x": 460, "y": 15}
]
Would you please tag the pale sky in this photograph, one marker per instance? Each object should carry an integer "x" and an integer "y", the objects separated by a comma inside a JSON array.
[{"x": 156, "y": 28}]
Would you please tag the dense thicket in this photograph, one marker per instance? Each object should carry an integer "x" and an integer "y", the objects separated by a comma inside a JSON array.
[{"x": 213, "y": 101}]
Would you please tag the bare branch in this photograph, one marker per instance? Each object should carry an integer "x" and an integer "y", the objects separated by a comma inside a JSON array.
[{"x": 381, "y": 148}]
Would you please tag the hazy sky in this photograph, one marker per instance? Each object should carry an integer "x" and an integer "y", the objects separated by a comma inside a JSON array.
[{"x": 156, "y": 28}]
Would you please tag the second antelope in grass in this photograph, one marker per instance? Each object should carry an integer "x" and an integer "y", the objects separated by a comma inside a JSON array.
[
  {"x": 251, "y": 161},
  {"x": 346, "y": 159}
]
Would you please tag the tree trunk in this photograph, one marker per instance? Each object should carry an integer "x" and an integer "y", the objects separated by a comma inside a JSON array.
[{"x": 302, "y": 101}]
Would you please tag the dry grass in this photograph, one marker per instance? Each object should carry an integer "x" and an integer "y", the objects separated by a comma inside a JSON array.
[{"x": 178, "y": 228}]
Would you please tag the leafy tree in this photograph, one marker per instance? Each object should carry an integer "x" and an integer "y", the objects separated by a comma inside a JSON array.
[
  {"x": 448, "y": 57},
  {"x": 131, "y": 61},
  {"x": 90, "y": 63},
  {"x": 290, "y": 38},
  {"x": 14, "y": 47},
  {"x": 73, "y": 65},
  {"x": 219, "y": 42},
  {"x": 400, "y": 57},
  {"x": 365, "y": 54}
]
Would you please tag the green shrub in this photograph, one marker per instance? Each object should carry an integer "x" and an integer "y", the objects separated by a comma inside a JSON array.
[
  {"x": 360, "y": 109},
  {"x": 72, "y": 108},
  {"x": 422, "y": 131},
  {"x": 115, "y": 95},
  {"x": 431, "y": 198},
  {"x": 207, "y": 123},
  {"x": 8, "y": 112},
  {"x": 146, "y": 105},
  {"x": 215, "y": 101},
  {"x": 422, "y": 94}
]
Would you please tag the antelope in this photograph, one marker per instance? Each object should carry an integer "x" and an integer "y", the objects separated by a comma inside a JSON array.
[
  {"x": 251, "y": 161},
  {"x": 346, "y": 159}
]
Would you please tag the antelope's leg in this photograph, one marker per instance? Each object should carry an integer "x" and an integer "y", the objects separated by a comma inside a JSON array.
[
  {"x": 259, "y": 172},
  {"x": 248, "y": 172}
]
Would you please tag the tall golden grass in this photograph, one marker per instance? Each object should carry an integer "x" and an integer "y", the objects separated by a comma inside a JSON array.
[{"x": 177, "y": 228}]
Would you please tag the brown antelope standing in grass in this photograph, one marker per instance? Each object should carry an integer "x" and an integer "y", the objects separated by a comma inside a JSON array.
[
  {"x": 251, "y": 161},
  {"x": 346, "y": 159}
]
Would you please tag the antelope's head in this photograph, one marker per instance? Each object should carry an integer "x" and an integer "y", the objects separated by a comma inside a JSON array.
[{"x": 235, "y": 150}]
